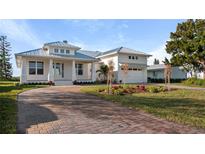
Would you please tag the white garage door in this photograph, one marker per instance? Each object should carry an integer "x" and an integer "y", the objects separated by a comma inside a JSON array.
[{"x": 134, "y": 77}]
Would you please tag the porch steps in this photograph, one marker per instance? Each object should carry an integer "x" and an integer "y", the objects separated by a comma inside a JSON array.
[{"x": 63, "y": 83}]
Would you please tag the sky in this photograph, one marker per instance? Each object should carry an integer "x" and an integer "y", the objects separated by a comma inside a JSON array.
[{"x": 148, "y": 36}]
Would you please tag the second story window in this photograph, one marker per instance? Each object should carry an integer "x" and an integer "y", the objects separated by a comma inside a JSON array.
[
  {"x": 67, "y": 51},
  {"x": 62, "y": 50},
  {"x": 56, "y": 50},
  {"x": 129, "y": 57}
]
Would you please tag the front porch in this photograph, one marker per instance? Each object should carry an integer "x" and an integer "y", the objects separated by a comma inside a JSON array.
[
  {"x": 66, "y": 72},
  {"x": 59, "y": 71}
]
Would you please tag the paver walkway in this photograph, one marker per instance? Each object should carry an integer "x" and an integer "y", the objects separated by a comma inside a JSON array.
[{"x": 66, "y": 110}]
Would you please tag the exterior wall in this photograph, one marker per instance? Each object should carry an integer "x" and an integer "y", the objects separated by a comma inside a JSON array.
[
  {"x": 26, "y": 77},
  {"x": 133, "y": 76},
  {"x": 123, "y": 58},
  {"x": 155, "y": 74},
  {"x": 51, "y": 50},
  {"x": 178, "y": 74},
  {"x": 114, "y": 58},
  {"x": 86, "y": 71},
  {"x": 159, "y": 74},
  {"x": 67, "y": 70},
  {"x": 199, "y": 75},
  {"x": 106, "y": 60}
]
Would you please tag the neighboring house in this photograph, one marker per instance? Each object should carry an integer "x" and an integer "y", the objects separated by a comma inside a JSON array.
[
  {"x": 157, "y": 72},
  {"x": 64, "y": 63},
  {"x": 198, "y": 75}
]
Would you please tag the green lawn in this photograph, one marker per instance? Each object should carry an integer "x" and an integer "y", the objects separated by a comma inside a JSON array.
[
  {"x": 180, "y": 106},
  {"x": 189, "y": 85},
  {"x": 8, "y": 106}
]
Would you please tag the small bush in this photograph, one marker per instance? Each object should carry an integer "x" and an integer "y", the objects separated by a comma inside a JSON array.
[
  {"x": 155, "y": 89},
  {"x": 194, "y": 81}
]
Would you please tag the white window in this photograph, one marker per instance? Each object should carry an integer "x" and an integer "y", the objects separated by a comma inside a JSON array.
[
  {"x": 32, "y": 67},
  {"x": 67, "y": 51},
  {"x": 79, "y": 69},
  {"x": 56, "y": 50},
  {"x": 62, "y": 50},
  {"x": 40, "y": 68},
  {"x": 35, "y": 68}
]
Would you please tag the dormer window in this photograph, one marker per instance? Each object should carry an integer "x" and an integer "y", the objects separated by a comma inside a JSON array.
[
  {"x": 129, "y": 57},
  {"x": 56, "y": 50},
  {"x": 62, "y": 50},
  {"x": 133, "y": 57},
  {"x": 67, "y": 51}
]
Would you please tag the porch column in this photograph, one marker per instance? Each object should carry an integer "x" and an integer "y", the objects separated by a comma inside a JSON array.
[
  {"x": 73, "y": 71},
  {"x": 93, "y": 77},
  {"x": 51, "y": 71},
  {"x": 23, "y": 71}
]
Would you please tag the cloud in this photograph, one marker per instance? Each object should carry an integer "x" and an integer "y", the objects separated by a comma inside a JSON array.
[
  {"x": 19, "y": 30},
  {"x": 158, "y": 53}
]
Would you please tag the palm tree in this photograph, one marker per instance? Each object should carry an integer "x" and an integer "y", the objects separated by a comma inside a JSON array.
[{"x": 103, "y": 72}]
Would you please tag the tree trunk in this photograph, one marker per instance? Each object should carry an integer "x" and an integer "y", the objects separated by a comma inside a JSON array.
[{"x": 204, "y": 69}]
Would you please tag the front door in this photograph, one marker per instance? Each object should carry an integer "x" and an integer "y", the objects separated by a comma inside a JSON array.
[{"x": 58, "y": 71}]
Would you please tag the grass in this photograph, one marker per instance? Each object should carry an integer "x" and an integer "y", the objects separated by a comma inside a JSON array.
[
  {"x": 189, "y": 85},
  {"x": 180, "y": 106},
  {"x": 8, "y": 105}
]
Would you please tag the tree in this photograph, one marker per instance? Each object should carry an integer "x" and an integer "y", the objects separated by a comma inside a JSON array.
[
  {"x": 156, "y": 61},
  {"x": 124, "y": 68},
  {"x": 187, "y": 45},
  {"x": 103, "y": 72},
  {"x": 110, "y": 75},
  {"x": 167, "y": 72},
  {"x": 5, "y": 65}
]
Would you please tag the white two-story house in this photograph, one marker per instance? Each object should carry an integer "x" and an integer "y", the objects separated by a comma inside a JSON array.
[{"x": 63, "y": 63}]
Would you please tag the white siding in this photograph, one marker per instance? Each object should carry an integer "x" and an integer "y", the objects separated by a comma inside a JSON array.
[
  {"x": 133, "y": 76},
  {"x": 124, "y": 58},
  {"x": 159, "y": 74},
  {"x": 51, "y": 50}
]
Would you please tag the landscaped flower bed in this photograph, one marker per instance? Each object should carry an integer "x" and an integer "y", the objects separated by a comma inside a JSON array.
[{"x": 131, "y": 89}]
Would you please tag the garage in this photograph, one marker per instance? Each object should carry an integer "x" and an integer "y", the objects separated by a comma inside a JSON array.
[{"x": 136, "y": 74}]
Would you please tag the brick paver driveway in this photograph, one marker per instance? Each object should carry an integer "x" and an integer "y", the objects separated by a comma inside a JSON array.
[{"x": 66, "y": 110}]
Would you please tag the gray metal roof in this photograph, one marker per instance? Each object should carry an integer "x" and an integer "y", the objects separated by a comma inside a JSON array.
[
  {"x": 41, "y": 53},
  {"x": 156, "y": 67},
  {"x": 90, "y": 53},
  {"x": 62, "y": 44},
  {"x": 124, "y": 50}
]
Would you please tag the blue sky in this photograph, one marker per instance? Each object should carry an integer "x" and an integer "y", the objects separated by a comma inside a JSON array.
[{"x": 148, "y": 36}]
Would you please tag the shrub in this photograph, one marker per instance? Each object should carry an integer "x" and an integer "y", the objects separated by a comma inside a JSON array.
[
  {"x": 194, "y": 81},
  {"x": 155, "y": 89}
]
